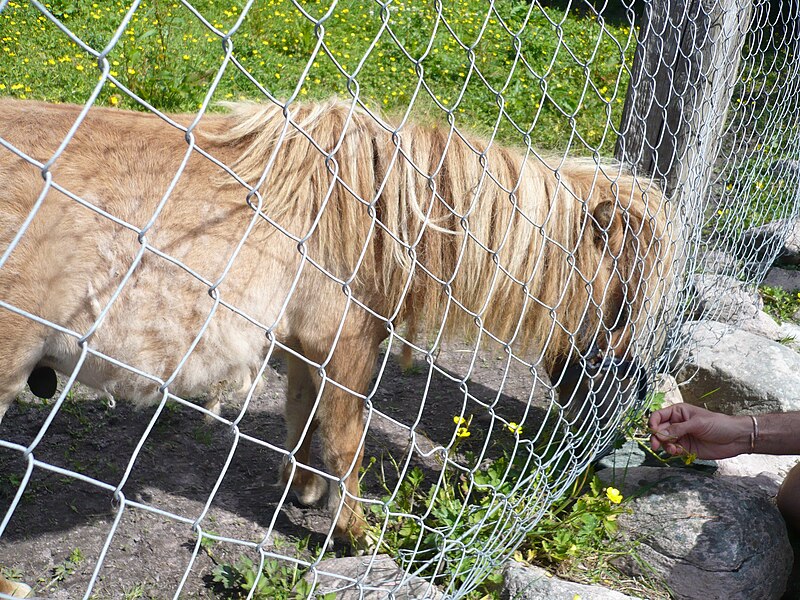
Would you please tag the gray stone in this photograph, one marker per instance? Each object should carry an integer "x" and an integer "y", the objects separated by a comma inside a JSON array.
[
  {"x": 716, "y": 261},
  {"x": 707, "y": 537},
  {"x": 761, "y": 324},
  {"x": 724, "y": 299},
  {"x": 523, "y": 582},
  {"x": 767, "y": 471},
  {"x": 787, "y": 279},
  {"x": 775, "y": 243},
  {"x": 733, "y": 371},
  {"x": 629, "y": 455},
  {"x": 666, "y": 384},
  {"x": 369, "y": 578}
]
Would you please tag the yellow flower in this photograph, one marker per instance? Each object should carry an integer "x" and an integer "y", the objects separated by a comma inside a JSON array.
[
  {"x": 614, "y": 495},
  {"x": 463, "y": 432},
  {"x": 514, "y": 428},
  {"x": 114, "y": 100},
  {"x": 459, "y": 420}
]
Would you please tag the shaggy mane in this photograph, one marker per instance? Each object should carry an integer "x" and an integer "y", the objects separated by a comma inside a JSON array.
[{"x": 436, "y": 231}]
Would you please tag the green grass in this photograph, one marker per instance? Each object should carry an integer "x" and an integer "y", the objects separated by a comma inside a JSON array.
[
  {"x": 781, "y": 304},
  {"x": 459, "y": 517},
  {"x": 277, "y": 580},
  {"x": 755, "y": 195},
  {"x": 167, "y": 56}
]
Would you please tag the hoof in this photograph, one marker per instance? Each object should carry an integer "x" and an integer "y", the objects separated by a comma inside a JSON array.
[
  {"x": 309, "y": 488},
  {"x": 312, "y": 491},
  {"x": 15, "y": 589}
]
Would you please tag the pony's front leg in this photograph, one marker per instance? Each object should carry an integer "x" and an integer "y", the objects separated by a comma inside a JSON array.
[{"x": 341, "y": 424}]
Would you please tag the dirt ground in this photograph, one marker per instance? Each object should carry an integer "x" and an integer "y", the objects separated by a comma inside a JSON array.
[{"x": 180, "y": 461}]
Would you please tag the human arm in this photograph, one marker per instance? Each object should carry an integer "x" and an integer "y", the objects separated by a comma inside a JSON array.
[{"x": 684, "y": 428}]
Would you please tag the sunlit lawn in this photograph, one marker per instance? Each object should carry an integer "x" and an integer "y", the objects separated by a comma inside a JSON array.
[{"x": 567, "y": 83}]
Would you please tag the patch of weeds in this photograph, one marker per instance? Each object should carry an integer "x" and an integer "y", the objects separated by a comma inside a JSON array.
[
  {"x": 133, "y": 593},
  {"x": 781, "y": 304},
  {"x": 413, "y": 369},
  {"x": 65, "y": 569},
  {"x": 10, "y": 573},
  {"x": 202, "y": 434},
  {"x": 277, "y": 580},
  {"x": 440, "y": 530}
]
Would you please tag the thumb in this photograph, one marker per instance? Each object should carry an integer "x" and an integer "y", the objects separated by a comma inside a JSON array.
[{"x": 669, "y": 432}]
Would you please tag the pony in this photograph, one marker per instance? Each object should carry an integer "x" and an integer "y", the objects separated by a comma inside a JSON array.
[{"x": 152, "y": 257}]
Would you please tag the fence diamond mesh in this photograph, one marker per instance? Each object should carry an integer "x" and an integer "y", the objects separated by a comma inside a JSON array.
[{"x": 463, "y": 240}]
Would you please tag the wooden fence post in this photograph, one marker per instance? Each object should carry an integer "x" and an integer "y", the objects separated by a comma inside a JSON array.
[{"x": 685, "y": 68}]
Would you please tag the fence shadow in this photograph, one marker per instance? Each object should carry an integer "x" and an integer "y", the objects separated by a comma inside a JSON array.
[{"x": 184, "y": 455}]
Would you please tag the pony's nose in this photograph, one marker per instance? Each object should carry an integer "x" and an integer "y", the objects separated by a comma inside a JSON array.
[{"x": 600, "y": 389}]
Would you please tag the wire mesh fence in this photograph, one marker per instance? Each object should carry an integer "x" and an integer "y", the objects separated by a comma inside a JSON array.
[{"x": 461, "y": 239}]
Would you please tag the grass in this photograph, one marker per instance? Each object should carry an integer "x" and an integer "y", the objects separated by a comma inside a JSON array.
[
  {"x": 781, "y": 304},
  {"x": 571, "y": 88},
  {"x": 754, "y": 194},
  {"x": 276, "y": 580},
  {"x": 443, "y": 528}
]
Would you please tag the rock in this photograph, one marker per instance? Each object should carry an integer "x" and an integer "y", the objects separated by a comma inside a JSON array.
[
  {"x": 523, "y": 582},
  {"x": 733, "y": 371},
  {"x": 789, "y": 336},
  {"x": 369, "y": 578},
  {"x": 629, "y": 455},
  {"x": 777, "y": 242},
  {"x": 768, "y": 472},
  {"x": 724, "y": 299},
  {"x": 707, "y": 537},
  {"x": 666, "y": 384},
  {"x": 728, "y": 300},
  {"x": 717, "y": 262},
  {"x": 787, "y": 279},
  {"x": 761, "y": 324}
]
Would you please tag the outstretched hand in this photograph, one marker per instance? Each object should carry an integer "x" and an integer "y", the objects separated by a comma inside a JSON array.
[{"x": 688, "y": 429}]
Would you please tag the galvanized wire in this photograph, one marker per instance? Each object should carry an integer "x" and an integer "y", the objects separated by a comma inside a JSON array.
[{"x": 721, "y": 200}]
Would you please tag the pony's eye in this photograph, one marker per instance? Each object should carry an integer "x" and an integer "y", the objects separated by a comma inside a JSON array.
[{"x": 620, "y": 318}]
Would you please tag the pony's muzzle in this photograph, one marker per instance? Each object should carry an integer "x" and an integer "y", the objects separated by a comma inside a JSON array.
[{"x": 597, "y": 388}]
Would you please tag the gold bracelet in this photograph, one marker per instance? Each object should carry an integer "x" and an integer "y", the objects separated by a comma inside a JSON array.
[{"x": 753, "y": 435}]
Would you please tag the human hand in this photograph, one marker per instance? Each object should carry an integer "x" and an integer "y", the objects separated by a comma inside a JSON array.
[{"x": 688, "y": 429}]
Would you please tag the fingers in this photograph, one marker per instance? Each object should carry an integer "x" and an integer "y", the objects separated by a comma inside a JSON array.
[{"x": 669, "y": 424}]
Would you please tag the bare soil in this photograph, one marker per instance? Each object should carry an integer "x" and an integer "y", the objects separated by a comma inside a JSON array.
[{"x": 181, "y": 460}]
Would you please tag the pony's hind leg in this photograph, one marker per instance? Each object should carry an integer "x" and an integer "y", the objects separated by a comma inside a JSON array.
[
  {"x": 301, "y": 397},
  {"x": 21, "y": 346}
]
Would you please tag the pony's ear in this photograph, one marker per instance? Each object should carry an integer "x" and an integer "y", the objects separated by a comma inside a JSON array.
[
  {"x": 602, "y": 215},
  {"x": 608, "y": 225}
]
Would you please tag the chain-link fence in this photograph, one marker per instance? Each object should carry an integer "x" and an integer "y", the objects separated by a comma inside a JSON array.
[{"x": 469, "y": 268}]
